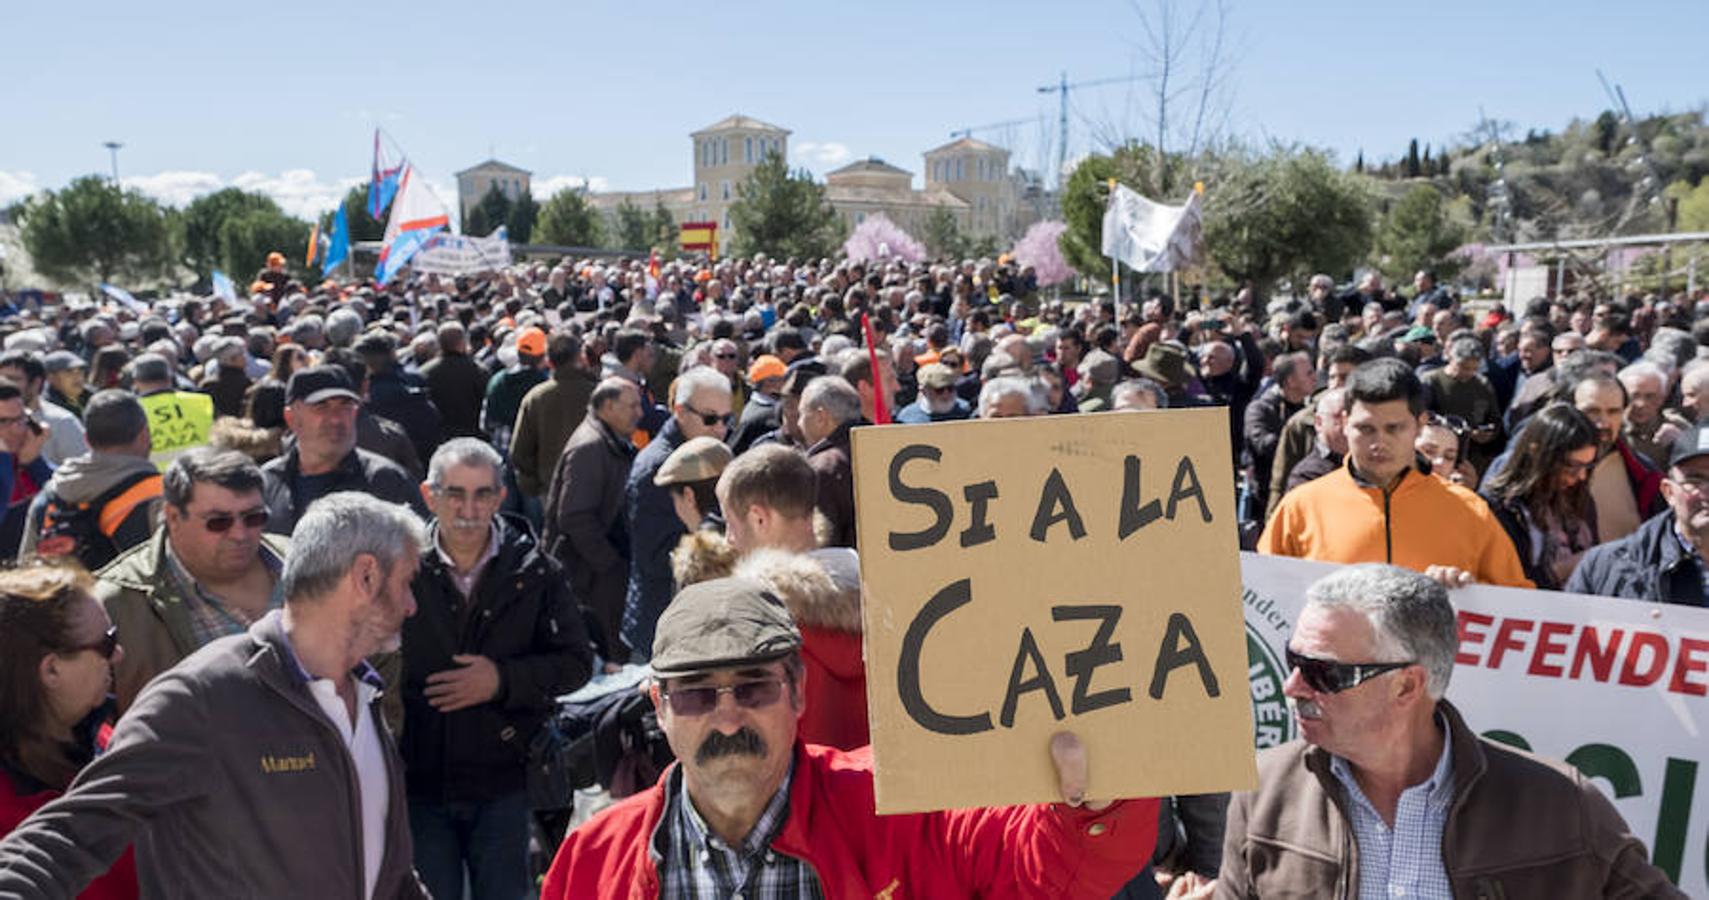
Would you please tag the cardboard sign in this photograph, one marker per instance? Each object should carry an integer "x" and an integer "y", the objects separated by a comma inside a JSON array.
[{"x": 1029, "y": 576}]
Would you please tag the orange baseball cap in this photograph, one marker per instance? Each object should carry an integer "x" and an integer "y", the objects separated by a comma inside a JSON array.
[
  {"x": 275, "y": 258},
  {"x": 531, "y": 341},
  {"x": 764, "y": 367}
]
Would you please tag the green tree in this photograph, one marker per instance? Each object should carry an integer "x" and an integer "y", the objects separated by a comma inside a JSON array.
[
  {"x": 489, "y": 214},
  {"x": 1287, "y": 213},
  {"x": 1693, "y": 205},
  {"x": 92, "y": 229},
  {"x": 363, "y": 227},
  {"x": 634, "y": 227},
  {"x": 1418, "y": 234},
  {"x": 523, "y": 214},
  {"x": 782, "y": 213},
  {"x": 246, "y": 237},
  {"x": 200, "y": 222},
  {"x": 568, "y": 220},
  {"x": 1413, "y": 167},
  {"x": 662, "y": 231},
  {"x": 943, "y": 236},
  {"x": 1087, "y": 193}
]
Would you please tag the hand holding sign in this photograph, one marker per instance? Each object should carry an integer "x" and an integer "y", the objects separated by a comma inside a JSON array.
[{"x": 1024, "y": 573}]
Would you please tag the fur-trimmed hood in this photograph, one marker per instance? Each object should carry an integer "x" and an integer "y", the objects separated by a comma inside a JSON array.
[{"x": 821, "y": 589}]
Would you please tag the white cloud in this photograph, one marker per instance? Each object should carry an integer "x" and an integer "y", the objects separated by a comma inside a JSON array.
[
  {"x": 15, "y": 186},
  {"x": 174, "y": 188},
  {"x": 822, "y": 154},
  {"x": 299, "y": 192},
  {"x": 546, "y": 187}
]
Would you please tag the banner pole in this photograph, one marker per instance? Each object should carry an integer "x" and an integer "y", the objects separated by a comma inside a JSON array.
[{"x": 1115, "y": 266}]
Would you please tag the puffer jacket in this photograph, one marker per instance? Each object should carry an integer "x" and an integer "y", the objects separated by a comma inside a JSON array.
[
  {"x": 1519, "y": 826},
  {"x": 1052, "y": 850},
  {"x": 1649, "y": 564},
  {"x": 522, "y": 617}
]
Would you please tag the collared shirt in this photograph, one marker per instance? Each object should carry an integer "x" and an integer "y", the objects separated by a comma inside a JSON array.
[
  {"x": 210, "y": 616},
  {"x": 1688, "y": 551},
  {"x": 465, "y": 581},
  {"x": 367, "y": 756},
  {"x": 1404, "y": 860},
  {"x": 695, "y": 864}
]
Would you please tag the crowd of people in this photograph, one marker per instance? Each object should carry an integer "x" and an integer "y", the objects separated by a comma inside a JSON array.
[{"x": 324, "y": 632}]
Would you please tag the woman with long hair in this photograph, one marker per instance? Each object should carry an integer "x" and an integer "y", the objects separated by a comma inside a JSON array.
[
  {"x": 57, "y": 650},
  {"x": 1542, "y": 496}
]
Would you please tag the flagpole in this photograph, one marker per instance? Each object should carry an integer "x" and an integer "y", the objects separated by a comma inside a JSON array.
[{"x": 1115, "y": 267}]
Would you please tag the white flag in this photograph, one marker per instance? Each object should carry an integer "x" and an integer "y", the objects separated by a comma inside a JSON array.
[{"x": 1151, "y": 237}]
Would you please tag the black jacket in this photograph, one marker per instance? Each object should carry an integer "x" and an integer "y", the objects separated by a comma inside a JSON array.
[
  {"x": 359, "y": 471},
  {"x": 522, "y": 617},
  {"x": 403, "y": 398},
  {"x": 1649, "y": 564}
]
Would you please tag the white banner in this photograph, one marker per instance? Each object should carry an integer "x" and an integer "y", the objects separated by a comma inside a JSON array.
[
  {"x": 456, "y": 254},
  {"x": 1616, "y": 687},
  {"x": 1151, "y": 237}
]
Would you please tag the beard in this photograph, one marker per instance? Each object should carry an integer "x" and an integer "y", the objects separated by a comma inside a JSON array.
[{"x": 938, "y": 405}]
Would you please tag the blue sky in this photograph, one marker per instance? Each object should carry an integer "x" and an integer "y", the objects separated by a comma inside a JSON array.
[{"x": 284, "y": 99}]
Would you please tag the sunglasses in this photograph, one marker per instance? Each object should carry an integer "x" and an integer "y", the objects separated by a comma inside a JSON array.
[
  {"x": 708, "y": 419},
  {"x": 106, "y": 646},
  {"x": 724, "y": 356},
  {"x": 698, "y": 701},
  {"x": 222, "y": 522},
  {"x": 1330, "y": 677}
]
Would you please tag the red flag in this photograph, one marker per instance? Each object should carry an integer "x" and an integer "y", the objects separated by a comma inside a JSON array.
[{"x": 880, "y": 414}]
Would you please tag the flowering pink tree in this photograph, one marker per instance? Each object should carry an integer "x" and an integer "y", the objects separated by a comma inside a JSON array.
[
  {"x": 878, "y": 238},
  {"x": 1040, "y": 248}
]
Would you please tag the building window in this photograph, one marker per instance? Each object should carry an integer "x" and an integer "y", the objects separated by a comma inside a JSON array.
[
  {"x": 860, "y": 217},
  {"x": 981, "y": 204},
  {"x": 726, "y": 225},
  {"x": 747, "y": 150},
  {"x": 703, "y": 192},
  {"x": 725, "y": 190},
  {"x": 958, "y": 175},
  {"x": 723, "y": 151}
]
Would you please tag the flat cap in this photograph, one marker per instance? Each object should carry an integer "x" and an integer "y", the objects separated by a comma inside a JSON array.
[
  {"x": 721, "y": 624},
  {"x": 698, "y": 459},
  {"x": 317, "y": 383},
  {"x": 936, "y": 375},
  {"x": 62, "y": 361}
]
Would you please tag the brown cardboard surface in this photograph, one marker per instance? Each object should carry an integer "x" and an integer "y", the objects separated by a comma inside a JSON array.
[{"x": 944, "y": 744}]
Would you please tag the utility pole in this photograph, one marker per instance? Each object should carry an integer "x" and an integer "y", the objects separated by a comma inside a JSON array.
[{"x": 113, "y": 148}]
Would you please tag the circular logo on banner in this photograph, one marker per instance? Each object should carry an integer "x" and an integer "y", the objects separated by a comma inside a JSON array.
[{"x": 1272, "y": 724}]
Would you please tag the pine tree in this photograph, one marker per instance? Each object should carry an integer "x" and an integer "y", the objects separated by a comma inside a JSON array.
[
  {"x": 1359, "y": 164},
  {"x": 1413, "y": 167},
  {"x": 569, "y": 220},
  {"x": 523, "y": 214},
  {"x": 783, "y": 214}
]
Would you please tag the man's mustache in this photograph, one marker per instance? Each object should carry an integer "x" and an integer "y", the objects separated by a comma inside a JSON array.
[{"x": 745, "y": 742}]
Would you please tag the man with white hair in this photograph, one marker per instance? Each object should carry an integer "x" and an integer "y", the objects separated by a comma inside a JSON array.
[
  {"x": 1010, "y": 397},
  {"x": 700, "y": 406},
  {"x": 1648, "y": 428},
  {"x": 830, "y": 409},
  {"x": 1389, "y": 793},
  {"x": 1694, "y": 392}
]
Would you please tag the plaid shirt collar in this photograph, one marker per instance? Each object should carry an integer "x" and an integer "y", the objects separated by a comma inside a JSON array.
[{"x": 693, "y": 863}]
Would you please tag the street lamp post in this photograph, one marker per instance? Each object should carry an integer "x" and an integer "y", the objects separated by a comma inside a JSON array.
[{"x": 113, "y": 147}]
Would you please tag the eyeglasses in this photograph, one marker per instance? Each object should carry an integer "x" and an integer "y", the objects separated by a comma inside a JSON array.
[
  {"x": 222, "y": 522},
  {"x": 708, "y": 419},
  {"x": 106, "y": 646},
  {"x": 1327, "y": 676},
  {"x": 698, "y": 701},
  {"x": 724, "y": 356}
]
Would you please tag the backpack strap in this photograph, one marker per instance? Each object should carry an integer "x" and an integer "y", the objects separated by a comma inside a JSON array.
[{"x": 139, "y": 491}]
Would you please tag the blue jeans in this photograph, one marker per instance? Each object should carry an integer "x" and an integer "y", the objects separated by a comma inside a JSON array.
[{"x": 491, "y": 838}]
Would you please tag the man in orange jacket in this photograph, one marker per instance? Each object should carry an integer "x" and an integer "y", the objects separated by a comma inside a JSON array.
[
  {"x": 752, "y": 811},
  {"x": 1383, "y": 506}
]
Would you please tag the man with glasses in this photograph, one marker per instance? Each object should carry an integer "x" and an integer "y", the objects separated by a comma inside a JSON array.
[
  {"x": 700, "y": 406},
  {"x": 1663, "y": 560},
  {"x": 320, "y": 412},
  {"x": 475, "y": 694},
  {"x": 937, "y": 401},
  {"x": 208, "y": 572},
  {"x": 1388, "y": 792},
  {"x": 750, "y": 810}
]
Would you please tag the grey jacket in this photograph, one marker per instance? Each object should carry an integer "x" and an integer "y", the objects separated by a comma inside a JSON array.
[{"x": 230, "y": 781}]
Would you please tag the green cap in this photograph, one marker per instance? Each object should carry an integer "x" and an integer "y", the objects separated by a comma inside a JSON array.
[
  {"x": 1419, "y": 334},
  {"x": 722, "y": 624}
]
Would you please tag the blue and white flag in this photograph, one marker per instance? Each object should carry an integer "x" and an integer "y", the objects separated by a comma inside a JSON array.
[
  {"x": 123, "y": 296},
  {"x": 224, "y": 287}
]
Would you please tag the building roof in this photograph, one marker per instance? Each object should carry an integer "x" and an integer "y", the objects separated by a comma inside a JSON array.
[
  {"x": 872, "y": 165},
  {"x": 493, "y": 165},
  {"x": 965, "y": 143},
  {"x": 739, "y": 121},
  {"x": 643, "y": 199},
  {"x": 849, "y": 194}
]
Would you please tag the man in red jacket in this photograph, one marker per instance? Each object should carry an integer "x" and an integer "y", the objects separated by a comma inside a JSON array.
[{"x": 751, "y": 811}]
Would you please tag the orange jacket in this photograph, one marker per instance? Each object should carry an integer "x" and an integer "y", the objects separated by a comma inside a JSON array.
[{"x": 1424, "y": 521}]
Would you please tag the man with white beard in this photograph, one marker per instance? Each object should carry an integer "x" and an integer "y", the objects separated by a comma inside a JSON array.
[{"x": 938, "y": 402}]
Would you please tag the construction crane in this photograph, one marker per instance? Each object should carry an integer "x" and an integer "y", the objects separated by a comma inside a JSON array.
[
  {"x": 1061, "y": 89},
  {"x": 968, "y": 132}
]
